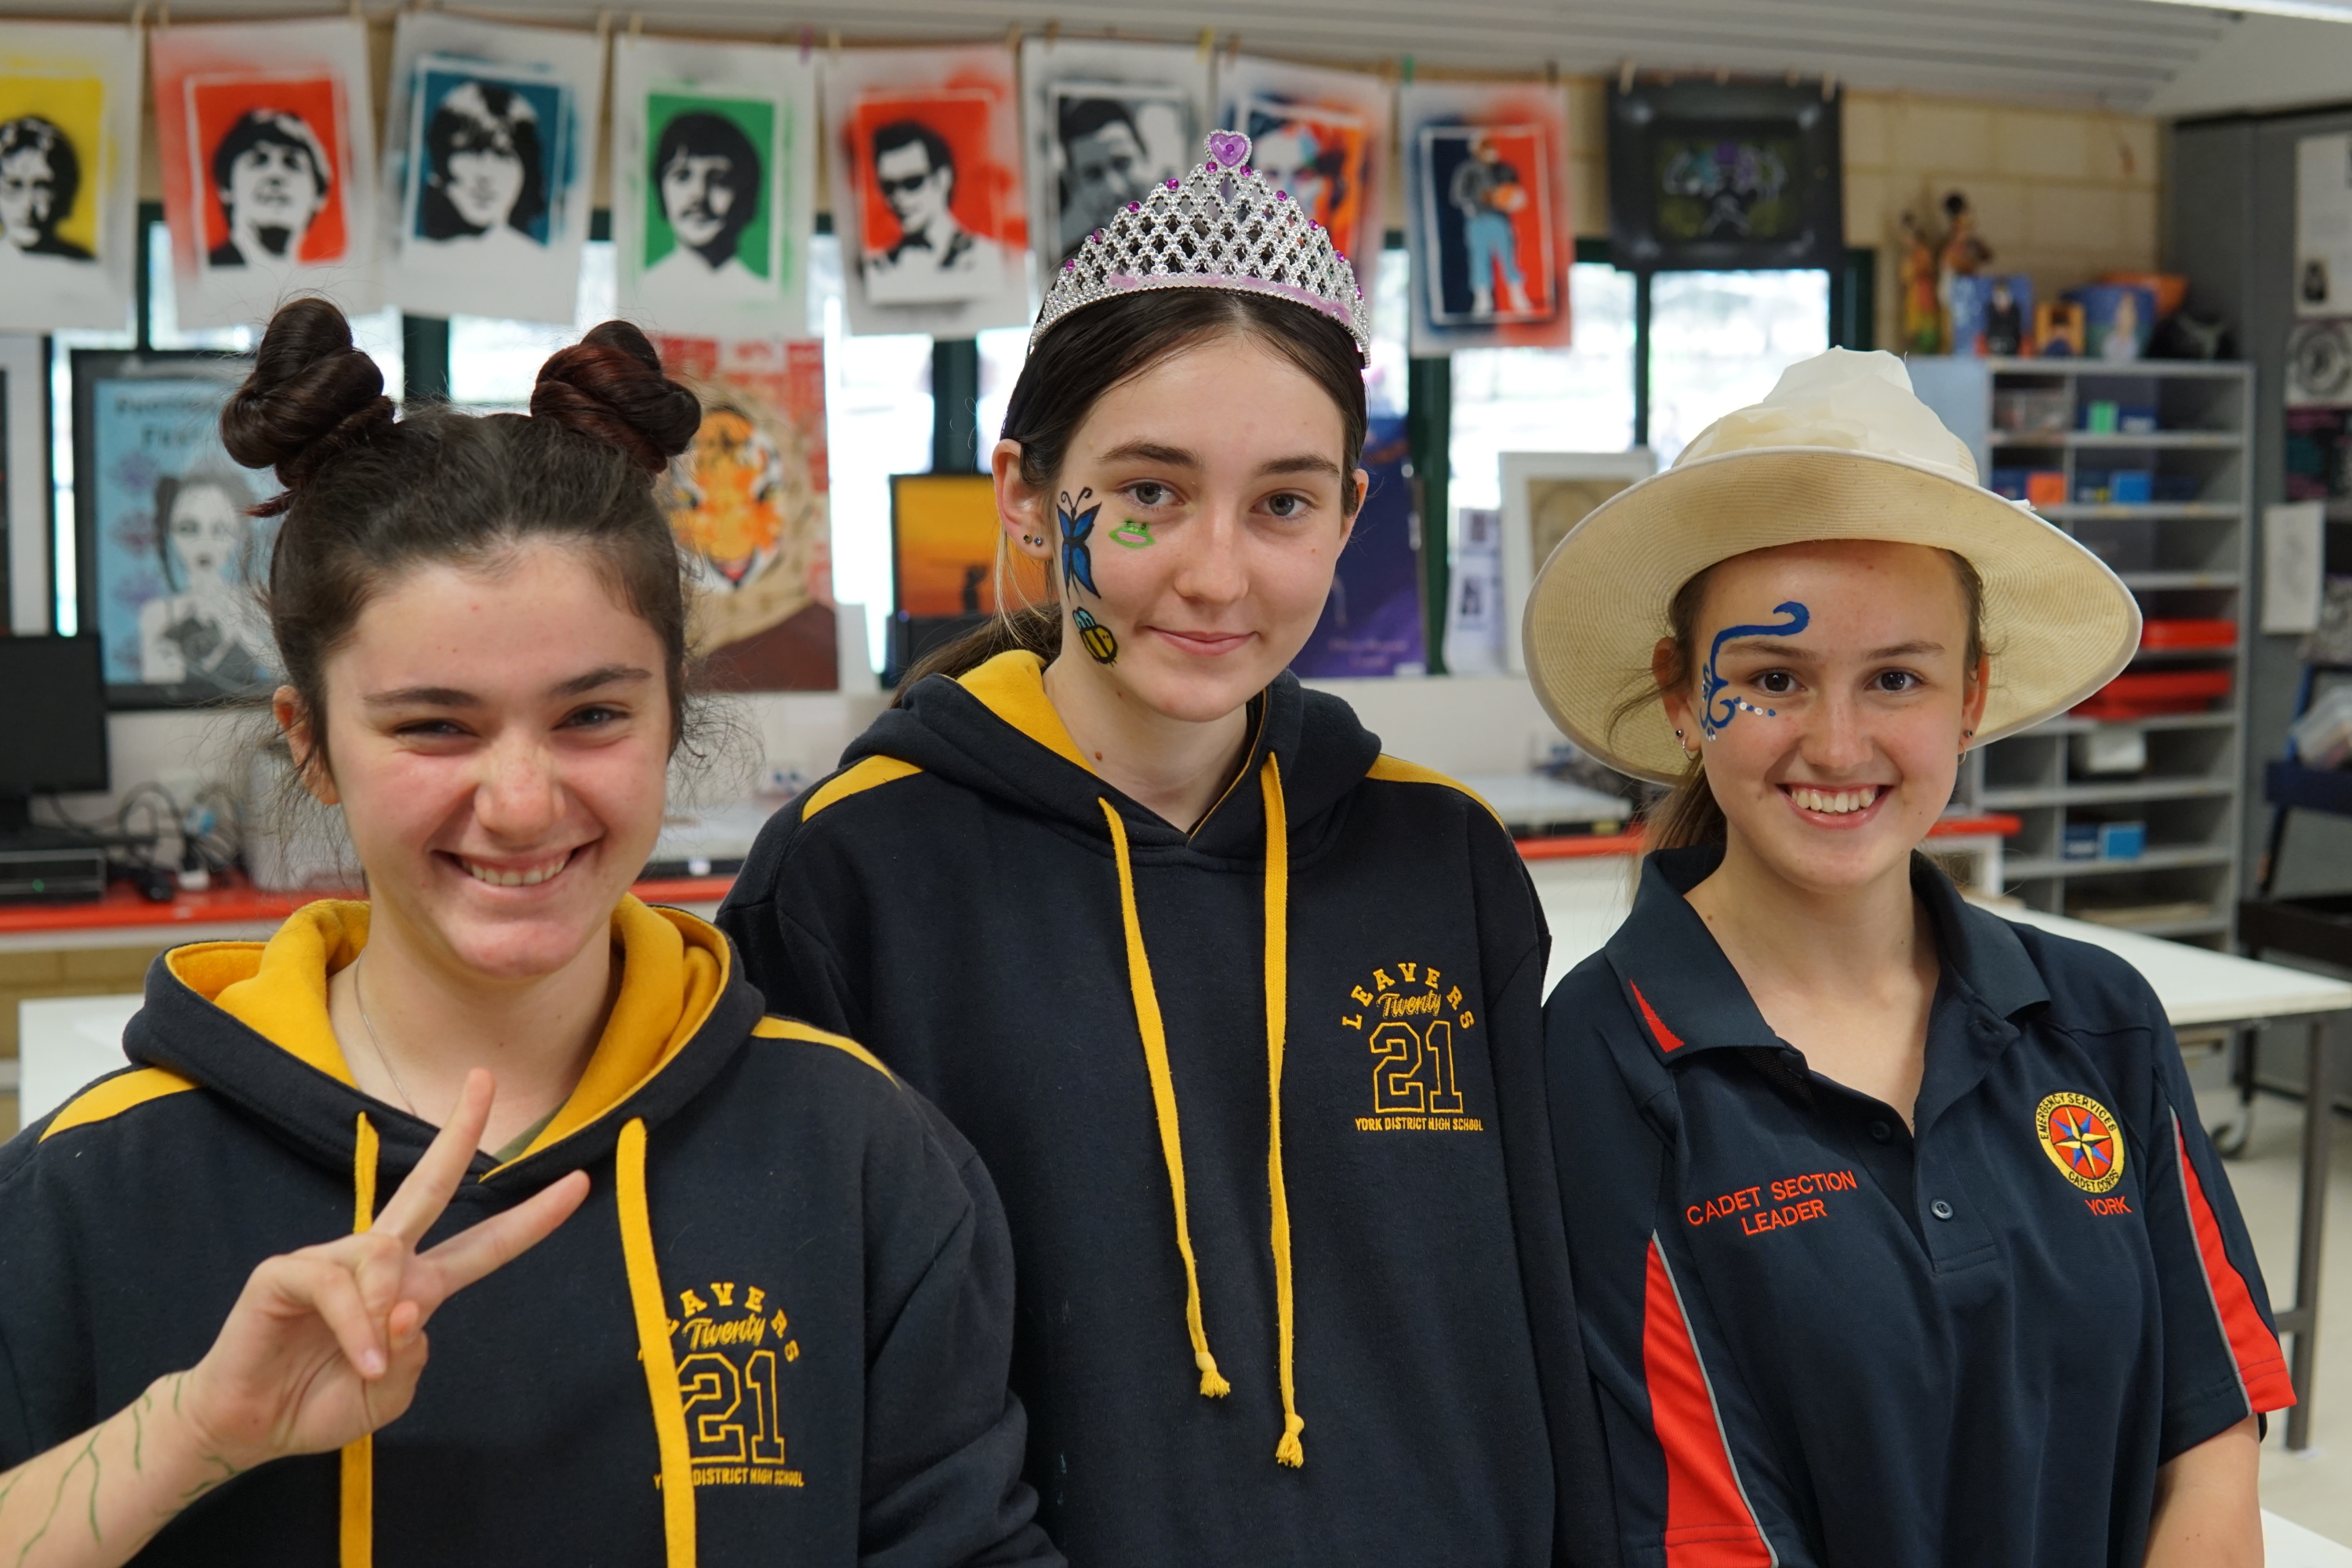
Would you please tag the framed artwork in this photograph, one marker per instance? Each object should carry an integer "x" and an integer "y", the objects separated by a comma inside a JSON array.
[
  {"x": 1488, "y": 219},
  {"x": 1708, "y": 175},
  {"x": 1323, "y": 136},
  {"x": 1545, "y": 496},
  {"x": 69, "y": 175},
  {"x": 926, "y": 194},
  {"x": 167, "y": 551},
  {"x": 1373, "y": 623},
  {"x": 488, "y": 149},
  {"x": 25, "y": 510},
  {"x": 1107, "y": 121},
  {"x": 749, "y": 505},
  {"x": 266, "y": 137},
  {"x": 714, "y": 170},
  {"x": 944, "y": 538}
]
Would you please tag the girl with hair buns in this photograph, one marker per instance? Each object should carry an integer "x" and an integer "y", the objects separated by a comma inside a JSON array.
[
  {"x": 1897, "y": 1238},
  {"x": 703, "y": 1284},
  {"x": 1242, "y": 1014}
]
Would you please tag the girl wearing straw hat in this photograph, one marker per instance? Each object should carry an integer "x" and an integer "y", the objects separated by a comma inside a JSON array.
[{"x": 1896, "y": 1237}]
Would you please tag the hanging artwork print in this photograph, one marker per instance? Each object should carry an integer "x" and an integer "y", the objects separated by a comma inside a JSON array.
[
  {"x": 1107, "y": 121},
  {"x": 1486, "y": 181},
  {"x": 167, "y": 546},
  {"x": 927, "y": 192},
  {"x": 69, "y": 175},
  {"x": 1373, "y": 623},
  {"x": 268, "y": 143},
  {"x": 713, "y": 175},
  {"x": 1724, "y": 175},
  {"x": 487, "y": 155},
  {"x": 1321, "y": 135},
  {"x": 749, "y": 505}
]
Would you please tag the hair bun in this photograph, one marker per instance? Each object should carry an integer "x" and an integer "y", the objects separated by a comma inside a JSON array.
[
  {"x": 609, "y": 387},
  {"x": 311, "y": 395}
]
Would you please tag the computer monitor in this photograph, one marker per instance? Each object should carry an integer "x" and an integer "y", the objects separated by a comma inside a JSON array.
[{"x": 52, "y": 723}]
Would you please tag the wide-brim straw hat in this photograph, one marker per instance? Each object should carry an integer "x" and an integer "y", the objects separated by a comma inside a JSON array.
[{"x": 1841, "y": 448}]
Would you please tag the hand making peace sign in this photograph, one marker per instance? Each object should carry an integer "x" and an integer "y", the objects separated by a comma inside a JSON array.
[{"x": 325, "y": 1345}]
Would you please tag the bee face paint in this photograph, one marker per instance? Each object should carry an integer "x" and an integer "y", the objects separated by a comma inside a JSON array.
[
  {"x": 1133, "y": 535},
  {"x": 1099, "y": 644},
  {"x": 1717, "y": 710},
  {"x": 1078, "y": 559}
]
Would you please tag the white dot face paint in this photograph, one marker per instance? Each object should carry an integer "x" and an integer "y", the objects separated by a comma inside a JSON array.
[{"x": 1717, "y": 710}]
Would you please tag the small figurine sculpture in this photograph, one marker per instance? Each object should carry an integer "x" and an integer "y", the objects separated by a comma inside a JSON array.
[{"x": 1923, "y": 316}]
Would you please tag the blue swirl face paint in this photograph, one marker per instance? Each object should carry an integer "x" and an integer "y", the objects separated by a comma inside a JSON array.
[
  {"x": 1711, "y": 699},
  {"x": 1078, "y": 559}
]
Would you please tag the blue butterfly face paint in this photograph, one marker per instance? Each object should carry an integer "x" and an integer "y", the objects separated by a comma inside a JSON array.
[
  {"x": 1716, "y": 710},
  {"x": 1078, "y": 559}
]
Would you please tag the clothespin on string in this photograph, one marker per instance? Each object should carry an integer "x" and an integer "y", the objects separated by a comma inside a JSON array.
[
  {"x": 636, "y": 23},
  {"x": 833, "y": 46},
  {"x": 1829, "y": 86},
  {"x": 1404, "y": 71},
  {"x": 1012, "y": 38},
  {"x": 1053, "y": 31},
  {"x": 1624, "y": 76},
  {"x": 1208, "y": 44},
  {"x": 808, "y": 42},
  {"x": 138, "y": 15}
]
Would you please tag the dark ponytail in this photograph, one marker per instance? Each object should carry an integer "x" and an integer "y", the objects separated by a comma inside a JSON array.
[
  {"x": 1087, "y": 353},
  {"x": 367, "y": 499}
]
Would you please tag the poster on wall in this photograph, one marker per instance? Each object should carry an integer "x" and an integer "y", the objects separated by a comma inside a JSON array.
[
  {"x": 69, "y": 175},
  {"x": 167, "y": 551},
  {"x": 1723, "y": 176},
  {"x": 1107, "y": 121},
  {"x": 25, "y": 498},
  {"x": 714, "y": 174},
  {"x": 1488, "y": 214},
  {"x": 750, "y": 507},
  {"x": 266, "y": 137},
  {"x": 1323, "y": 136},
  {"x": 926, "y": 194},
  {"x": 2323, "y": 224},
  {"x": 1373, "y": 623},
  {"x": 488, "y": 149},
  {"x": 1545, "y": 496}
]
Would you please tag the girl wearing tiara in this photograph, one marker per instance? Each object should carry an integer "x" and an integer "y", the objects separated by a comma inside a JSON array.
[
  {"x": 702, "y": 1284},
  {"x": 1242, "y": 1014}
]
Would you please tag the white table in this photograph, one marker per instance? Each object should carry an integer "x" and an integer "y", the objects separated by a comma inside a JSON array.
[
  {"x": 2286, "y": 1544},
  {"x": 1585, "y": 901}
]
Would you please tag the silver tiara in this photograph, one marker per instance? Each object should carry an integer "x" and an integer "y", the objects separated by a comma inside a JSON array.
[{"x": 1224, "y": 225}]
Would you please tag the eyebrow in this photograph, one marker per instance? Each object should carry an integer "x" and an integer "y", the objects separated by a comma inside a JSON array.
[
  {"x": 1152, "y": 452},
  {"x": 1304, "y": 463},
  {"x": 1793, "y": 651},
  {"x": 450, "y": 697}
]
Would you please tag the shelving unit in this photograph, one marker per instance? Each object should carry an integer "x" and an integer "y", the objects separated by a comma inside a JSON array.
[{"x": 2185, "y": 556}]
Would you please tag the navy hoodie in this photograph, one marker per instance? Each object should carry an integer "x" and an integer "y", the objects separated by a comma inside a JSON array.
[
  {"x": 787, "y": 1298},
  {"x": 1264, "y": 1101}
]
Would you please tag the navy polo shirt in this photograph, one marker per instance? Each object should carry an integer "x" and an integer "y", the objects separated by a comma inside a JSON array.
[{"x": 1820, "y": 1339}]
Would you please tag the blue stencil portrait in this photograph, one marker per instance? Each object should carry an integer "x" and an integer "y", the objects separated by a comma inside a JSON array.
[{"x": 491, "y": 153}]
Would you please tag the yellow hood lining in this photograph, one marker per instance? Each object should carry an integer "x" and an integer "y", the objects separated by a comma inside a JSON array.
[
  {"x": 1013, "y": 687},
  {"x": 673, "y": 969}
]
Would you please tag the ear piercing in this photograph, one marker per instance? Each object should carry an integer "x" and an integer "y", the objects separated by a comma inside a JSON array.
[{"x": 1030, "y": 539}]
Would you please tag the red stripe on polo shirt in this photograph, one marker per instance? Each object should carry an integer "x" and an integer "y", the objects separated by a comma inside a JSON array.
[
  {"x": 1667, "y": 1040},
  {"x": 1708, "y": 1522},
  {"x": 2262, "y": 1368}
]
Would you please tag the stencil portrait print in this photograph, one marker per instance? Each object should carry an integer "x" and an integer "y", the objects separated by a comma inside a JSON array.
[{"x": 268, "y": 157}]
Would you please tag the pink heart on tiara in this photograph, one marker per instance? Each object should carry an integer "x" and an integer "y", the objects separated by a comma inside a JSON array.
[{"x": 1228, "y": 149}]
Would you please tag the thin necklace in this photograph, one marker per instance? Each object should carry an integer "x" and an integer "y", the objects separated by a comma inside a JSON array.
[{"x": 359, "y": 995}]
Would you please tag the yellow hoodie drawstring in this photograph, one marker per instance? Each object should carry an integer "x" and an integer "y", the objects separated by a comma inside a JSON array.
[
  {"x": 653, "y": 1345},
  {"x": 356, "y": 1531},
  {"x": 1290, "y": 1450},
  {"x": 1163, "y": 1099}
]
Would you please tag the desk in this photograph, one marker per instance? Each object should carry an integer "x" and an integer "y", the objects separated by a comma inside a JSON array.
[{"x": 1585, "y": 900}]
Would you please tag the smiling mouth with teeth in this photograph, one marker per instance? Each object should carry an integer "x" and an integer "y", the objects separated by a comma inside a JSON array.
[
  {"x": 530, "y": 877},
  {"x": 1834, "y": 802}
]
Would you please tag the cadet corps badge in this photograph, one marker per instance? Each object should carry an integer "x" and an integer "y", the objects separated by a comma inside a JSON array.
[{"x": 2082, "y": 1138}]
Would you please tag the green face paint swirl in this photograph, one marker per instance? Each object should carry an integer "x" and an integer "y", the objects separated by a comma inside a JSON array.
[{"x": 1133, "y": 535}]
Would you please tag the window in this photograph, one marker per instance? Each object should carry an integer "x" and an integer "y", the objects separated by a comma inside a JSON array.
[
  {"x": 1577, "y": 399},
  {"x": 494, "y": 364},
  {"x": 1001, "y": 353},
  {"x": 1720, "y": 340},
  {"x": 877, "y": 402}
]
